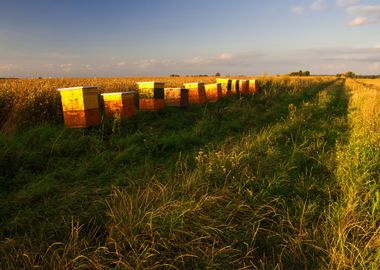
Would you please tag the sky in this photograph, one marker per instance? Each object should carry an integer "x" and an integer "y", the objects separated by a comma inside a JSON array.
[{"x": 106, "y": 38}]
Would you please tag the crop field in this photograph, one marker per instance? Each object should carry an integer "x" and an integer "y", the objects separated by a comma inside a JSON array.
[{"x": 288, "y": 178}]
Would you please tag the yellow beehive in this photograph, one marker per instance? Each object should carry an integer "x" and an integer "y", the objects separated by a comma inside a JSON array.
[
  {"x": 244, "y": 87},
  {"x": 197, "y": 94},
  {"x": 253, "y": 87},
  {"x": 226, "y": 86},
  {"x": 119, "y": 105},
  {"x": 213, "y": 91},
  {"x": 151, "y": 96},
  {"x": 234, "y": 87},
  {"x": 177, "y": 97},
  {"x": 80, "y": 106}
]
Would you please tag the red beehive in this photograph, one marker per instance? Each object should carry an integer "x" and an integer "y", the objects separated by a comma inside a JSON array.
[
  {"x": 119, "y": 105},
  {"x": 80, "y": 106},
  {"x": 151, "y": 96},
  {"x": 244, "y": 87},
  {"x": 197, "y": 94},
  {"x": 177, "y": 97},
  {"x": 213, "y": 91}
]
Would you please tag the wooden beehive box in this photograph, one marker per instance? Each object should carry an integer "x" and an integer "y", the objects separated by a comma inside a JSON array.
[
  {"x": 80, "y": 106},
  {"x": 197, "y": 94},
  {"x": 151, "y": 96},
  {"x": 226, "y": 86},
  {"x": 234, "y": 87},
  {"x": 119, "y": 105},
  {"x": 213, "y": 91},
  {"x": 253, "y": 87},
  {"x": 244, "y": 87},
  {"x": 177, "y": 97}
]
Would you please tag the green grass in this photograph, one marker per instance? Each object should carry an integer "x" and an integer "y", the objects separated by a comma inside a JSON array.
[{"x": 249, "y": 182}]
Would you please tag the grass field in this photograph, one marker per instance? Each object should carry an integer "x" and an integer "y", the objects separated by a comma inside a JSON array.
[{"x": 286, "y": 179}]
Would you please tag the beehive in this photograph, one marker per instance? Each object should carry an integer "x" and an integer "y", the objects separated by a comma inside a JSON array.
[
  {"x": 119, "y": 105},
  {"x": 177, "y": 97},
  {"x": 213, "y": 91},
  {"x": 234, "y": 87},
  {"x": 244, "y": 87},
  {"x": 151, "y": 96},
  {"x": 226, "y": 86},
  {"x": 197, "y": 94},
  {"x": 253, "y": 87},
  {"x": 80, "y": 106}
]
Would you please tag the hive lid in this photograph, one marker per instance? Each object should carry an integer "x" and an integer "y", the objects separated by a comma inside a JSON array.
[
  {"x": 78, "y": 87},
  {"x": 149, "y": 82},
  {"x": 118, "y": 93},
  {"x": 193, "y": 83}
]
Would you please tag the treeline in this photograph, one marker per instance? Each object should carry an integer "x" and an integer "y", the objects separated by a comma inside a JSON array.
[
  {"x": 351, "y": 74},
  {"x": 300, "y": 73}
]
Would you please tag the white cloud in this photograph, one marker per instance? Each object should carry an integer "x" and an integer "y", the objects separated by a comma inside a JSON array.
[
  {"x": 194, "y": 60},
  {"x": 318, "y": 5},
  {"x": 359, "y": 21},
  {"x": 225, "y": 56},
  {"x": 66, "y": 67},
  {"x": 364, "y": 14},
  {"x": 297, "y": 10},
  {"x": 364, "y": 9},
  {"x": 9, "y": 67},
  {"x": 345, "y": 3},
  {"x": 377, "y": 46},
  {"x": 120, "y": 64}
]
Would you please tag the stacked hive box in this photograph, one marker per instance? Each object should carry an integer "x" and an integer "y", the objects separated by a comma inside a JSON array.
[
  {"x": 234, "y": 87},
  {"x": 213, "y": 91},
  {"x": 197, "y": 94},
  {"x": 244, "y": 87},
  {"x": 151, "y": 96},
  {"x": 226, "y": 86},
  {"x": 253, "y": 87},
  {"x": 80, "y": 106},
  {"x": 177, "y": 97},
  {"x": 119, "y": 105}
]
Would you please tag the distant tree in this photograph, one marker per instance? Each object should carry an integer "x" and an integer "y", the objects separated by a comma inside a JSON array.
[
  {"x": 306, "y": 73},
  {"x": 217, "y": 74},
  {"x": 349, "y": 74},
  {"x": 174, "y": 75}
]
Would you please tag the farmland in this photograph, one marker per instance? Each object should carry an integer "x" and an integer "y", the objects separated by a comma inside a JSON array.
[{"x": 285, "y": 179}]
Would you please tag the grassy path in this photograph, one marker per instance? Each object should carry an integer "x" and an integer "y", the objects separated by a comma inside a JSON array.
[{"x": 255, "y": 191}]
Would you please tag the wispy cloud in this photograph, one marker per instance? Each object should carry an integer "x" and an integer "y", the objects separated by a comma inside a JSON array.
[
  {"x": 66, "y": 67},
  {"x": 318, "y": 5},
  {"x": 9, "y": 67},
  {"x": 297, "y": 10},
  {"x": 345, "y": 3},
  {"x": 364, "y": 14}
]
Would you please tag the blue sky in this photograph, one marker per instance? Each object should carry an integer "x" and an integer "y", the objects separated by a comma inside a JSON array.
[{"x": 74, "y": 38}]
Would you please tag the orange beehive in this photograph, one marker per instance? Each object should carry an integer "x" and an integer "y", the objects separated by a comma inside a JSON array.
[
  {"x": 119, "y": 105},
  {"x": 151, "y": 96},
  {"x": 197, "y": 94},
  {"x": 244, "y": 87},
  {"x": 234, "y": 87},
  {"x": 226, "y": 86},
  {"x": 80, "y": 106},
  {"x": 213, "y": 91},
  {"x": 177, "y": 97},
  {"x": 253, "y": 87}
]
